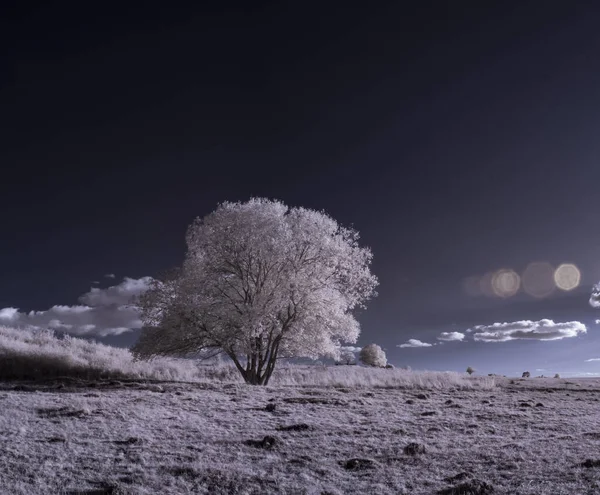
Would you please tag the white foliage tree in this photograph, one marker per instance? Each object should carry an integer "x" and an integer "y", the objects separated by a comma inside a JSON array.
[
  {"x": 346, "y": 357},
  {"x": 373, "y": 355},
  {"x": 260, "y": 282}
]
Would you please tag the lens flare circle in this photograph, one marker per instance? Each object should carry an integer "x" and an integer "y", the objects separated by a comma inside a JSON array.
[
  {"x": 538, "y": 279},
  {"x": 506, "y": 282},
  {"x": 567, "y": 277}
]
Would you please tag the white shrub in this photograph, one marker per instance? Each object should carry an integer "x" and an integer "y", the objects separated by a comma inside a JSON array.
[{"x": 373, "y": 355}]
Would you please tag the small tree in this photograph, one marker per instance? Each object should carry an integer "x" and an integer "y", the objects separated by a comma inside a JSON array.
[
  {"x": 557, "y": 375},
  {"x": 373, "y": 355},
  {"x": 346, "y": 357},
  {"x": 470, "y": 370},
  {"x": 260, "y": 282},
  {"x": 526, "y": 374}
]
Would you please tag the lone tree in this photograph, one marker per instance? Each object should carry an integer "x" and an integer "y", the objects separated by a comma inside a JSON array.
[
  {"x": 346, "y": 357},
  {"x": 470, "y": 370},
  {"x": 260, "y": 282},
  {"x": 373, "y": 355}
]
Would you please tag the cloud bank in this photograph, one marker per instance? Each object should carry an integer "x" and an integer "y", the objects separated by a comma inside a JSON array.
[
  {"x": 451, "y": 336},
  {"x": 350, "y": 348},
  {"x": 414, "y": 343},
  {"x": 593, "y": 359},
  {"x": 102, "y": 312},
  {"x": 527, "y": 330}
]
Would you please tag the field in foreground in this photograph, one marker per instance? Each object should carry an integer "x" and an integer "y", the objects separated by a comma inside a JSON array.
[{"x": 534, "y": 436}]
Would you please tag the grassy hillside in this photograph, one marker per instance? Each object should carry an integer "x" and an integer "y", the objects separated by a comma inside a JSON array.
[{"x": 34, "y": 355}]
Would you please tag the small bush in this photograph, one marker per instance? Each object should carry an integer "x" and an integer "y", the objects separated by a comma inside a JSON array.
[{"x": 373, "y": 355}]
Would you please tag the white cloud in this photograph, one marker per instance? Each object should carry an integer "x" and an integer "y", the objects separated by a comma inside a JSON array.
[
  {"x": 597, "y": 322},
  {"x": 451, "y": 336},
  {"x": 110, "y": 275},
  {"x": 593, "y": 359},
  {"x": 414, "y": 343},
  {"x": 595, "y": 297},
  {"x": 528, "y": 330},
  {"x": 118, "y": 294},
  {"x": 350, "y": 348},
  {"x": 103, "y": 312},
  {"x": 9, "y": 314}
]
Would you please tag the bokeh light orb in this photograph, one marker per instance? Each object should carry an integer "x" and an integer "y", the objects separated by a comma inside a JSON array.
[
  {"x": 538, "y": 279},
  {"x": 506, "y": 283},
  {"x": 485, "y": 285},
  {"x": 567, "y": 277}
]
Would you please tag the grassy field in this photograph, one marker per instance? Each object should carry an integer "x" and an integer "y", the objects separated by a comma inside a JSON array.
[
  {"x": 82, "y": 418},
  {"x": 134, "y": 437}
]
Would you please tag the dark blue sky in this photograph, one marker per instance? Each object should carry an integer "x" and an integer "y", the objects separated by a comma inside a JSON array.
[{"x": 456, "y": 140}]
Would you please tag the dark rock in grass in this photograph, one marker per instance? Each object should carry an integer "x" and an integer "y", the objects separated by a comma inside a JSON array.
[
  {"x": 409, "y": 401},
  {"x": 103, "y": 488},
  {"x": 24, "y": 388},
  {"x": 358, "y": 464},
  {"x": 592, "y": 434},
  {"x": 422, "y": 396},
  {"x": 454, "y": 406},
  {"x": 429, "y": 413},
  {"x": 485, "y": 401},
  {"x": 448, "y": 402},
  {"x": 184, "y": 471},
  {"x": 314, "y": 400},
  {"x": 471, "y": 487},
  {"x": 56, "y": 440},
  {"x": 590, "y": 463},
  {"x": 539, "y": 404},
  {"x": 298, "y": 427},
  {"x": 266, "y": 443},
  {"x": 129, "y": 441},
  {"x": 60, "y": 412},
  {"x": 458, "y": 477},
  {"x": 414, "y": 449},
  {"x": 525, "y": 404},
  {"x": 271, "y": 407}
]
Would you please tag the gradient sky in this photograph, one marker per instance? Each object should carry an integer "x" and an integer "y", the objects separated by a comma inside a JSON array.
[{"x": 457, "y": 141}]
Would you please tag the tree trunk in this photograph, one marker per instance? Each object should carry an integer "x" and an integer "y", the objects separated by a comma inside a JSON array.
[{"x": 259, "y": 367}]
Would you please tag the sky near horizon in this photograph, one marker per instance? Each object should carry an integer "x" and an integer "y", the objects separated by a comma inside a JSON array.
[{"x": 461, "y": 143}]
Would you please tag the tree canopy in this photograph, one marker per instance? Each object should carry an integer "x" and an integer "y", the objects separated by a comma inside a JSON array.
[{"x": 260, "y": 281}]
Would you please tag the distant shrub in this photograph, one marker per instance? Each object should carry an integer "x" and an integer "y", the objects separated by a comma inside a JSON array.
[
  {"x": 557, "y": 375},
  {"x": 346, "y": 357},
  {"x": 526, "y": 374},
  {"x": 470, "y": 370},
  {"x": 373, "y": 355}
]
